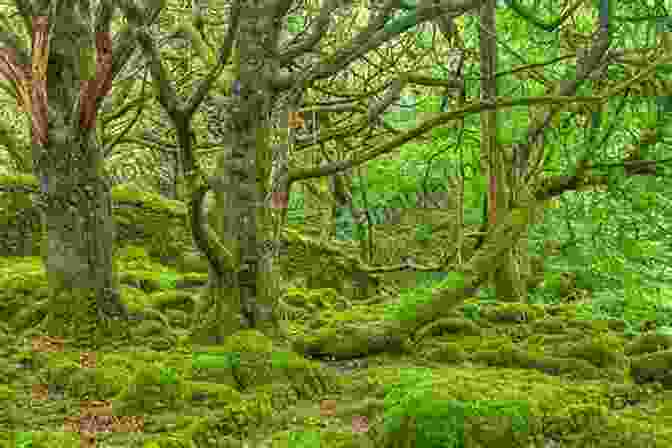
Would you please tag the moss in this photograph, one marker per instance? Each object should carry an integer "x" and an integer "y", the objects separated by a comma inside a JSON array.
[
  {"x": 514, "y": 312},
  {"x": 23, "y": 287},
  {"x": 323, "y": 439},
  {"x": 448, "y": 353},
  {"x": 133, "y": 257},
  {"x": 449, "y": 325},
  {"x": 192, "y": 261},
  {"x": 148, "y": 390},
  {"x": 195, "y": 277},
  {"x": 648, "y": 343},
  {"x": 551, "y": 363},
  {"x": 91, "y": 384},
  {"x": 7, "y": 394},
  {"x": 653, "y": 367},
  {"x": 172, "y": 299},
  {"x": 550, "y": 326},
  {"x": 178, "y": 318},
  {"x": 131, "y": 194},
  {"x": 211, "y": 395},
  {"x": 134, "y": 298},
  {"x": 147, "y": 219},
  {"x": 600, "y": 351},
  {"x": 44, "y": 439},
  {"x": 167, "y": 441}
]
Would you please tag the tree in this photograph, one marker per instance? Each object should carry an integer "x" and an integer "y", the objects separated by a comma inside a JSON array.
[
  {"x": 253, "y": 179},
  {"x": 60, "y": 85}
]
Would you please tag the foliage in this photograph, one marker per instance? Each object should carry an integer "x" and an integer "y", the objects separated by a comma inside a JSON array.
[{"x": 612, "y": 240}]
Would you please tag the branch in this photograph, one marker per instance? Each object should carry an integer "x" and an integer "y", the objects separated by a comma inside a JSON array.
[
  {"x": 373, "y": 36},
  {"x": 124, "y": 109},
  {"x": 25, "y": 9},
  {"x": 204, "y": 85},
  {"x": 160, "y": 145},
  {"x": 392, "y": 95},
  {"x": 124, "y": 41},
  {"x": 19, "y": 183},
  {"x": 20, "y": 156},
  {"x": 318, "y": 29},
  {"x": 219, "y": 257},
  {"x": 104, "y": 15},
  {"x": 331, "y": 108},
  {"x": 280, "y": 8},
  {"x": 584, "y": 67},
  {"x": 108, "y": 150},
  {"x": 166, "y": 92},
  {"x": 557, "y": 185},
  {"x": 12, "y": 42},
  {"x": 427, "y": 81},
  {"x": 424, "y": 127}
]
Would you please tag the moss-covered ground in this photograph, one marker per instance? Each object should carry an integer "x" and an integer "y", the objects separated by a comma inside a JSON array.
[
  {"x": 494, "y": 374},
  {"x": 491, "y": 374}
]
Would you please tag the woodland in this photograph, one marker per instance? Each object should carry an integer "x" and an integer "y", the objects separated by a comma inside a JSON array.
[{"x": 340, "y": 224}]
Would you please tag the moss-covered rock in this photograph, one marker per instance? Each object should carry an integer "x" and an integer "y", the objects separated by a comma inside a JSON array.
[
  {"x": 648, "y": 343},
  {"x": 172, "y": 299},
  {"x": 150, "y": 389},
  {"x": 450, "y": 326},
  {"x": 211, "y": 395},
  {"x": 653, "y": 367},
  {"x": 549, "y": 326},
  {"x": 261, "y": 363},
  {"x": 514, "y": 313},
  {"x": 600, "y": 351},
  {"x": 448, "y": 353}
]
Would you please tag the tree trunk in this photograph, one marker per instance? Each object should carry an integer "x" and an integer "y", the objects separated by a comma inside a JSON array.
[
  {"x": 507, "y": 280},
  {"x": 241, "y": 217},
  {"x": 79, "y": 237},
  {"x": 75, "y": 199}
]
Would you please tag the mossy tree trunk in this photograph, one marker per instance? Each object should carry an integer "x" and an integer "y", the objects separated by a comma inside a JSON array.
[
  {"x": 72, "y": 70},
  {"x": 242, "y": 217}
]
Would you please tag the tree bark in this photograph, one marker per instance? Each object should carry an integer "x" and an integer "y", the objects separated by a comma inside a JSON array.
[
  {"x": 78, "y": 227},
  {"x": 61, "y": 89},
  {"x": 242, "y": 216},
  {"x": 78, "y": 237}
]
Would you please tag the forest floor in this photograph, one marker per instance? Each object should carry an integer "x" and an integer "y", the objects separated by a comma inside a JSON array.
[{"x": 493, "y": 374}]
